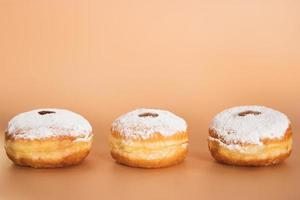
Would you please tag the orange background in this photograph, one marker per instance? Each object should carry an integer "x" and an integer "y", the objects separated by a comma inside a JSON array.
[{"x": 195, "y": 58}]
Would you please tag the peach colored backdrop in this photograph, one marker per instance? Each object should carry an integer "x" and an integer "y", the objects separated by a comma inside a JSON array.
[{"x": 195, "y": 58}]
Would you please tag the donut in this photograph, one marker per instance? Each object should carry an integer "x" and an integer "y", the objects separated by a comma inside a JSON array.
[
  {"x": 149, "y": 138},
  {"x": 250, "y": 136},
  {"x": 48, "y": 138}
]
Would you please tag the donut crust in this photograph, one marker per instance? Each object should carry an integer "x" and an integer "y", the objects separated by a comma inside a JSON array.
[
  {"x": 156, "y": 152},
  {"x": 273, "y": 151},
  {"x": 48, "y": 152}
]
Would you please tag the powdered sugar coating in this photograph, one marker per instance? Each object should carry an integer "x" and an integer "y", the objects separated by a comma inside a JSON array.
[
  {"x": 136, "y": 125},
  {"x": 233, "y": 126},
  {"x": 56, "y": 122}
]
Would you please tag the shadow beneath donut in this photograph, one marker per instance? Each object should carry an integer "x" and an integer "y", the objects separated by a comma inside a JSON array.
[
  {"x": 28, "y": 183},
  {"x": 204, "y": 166}
]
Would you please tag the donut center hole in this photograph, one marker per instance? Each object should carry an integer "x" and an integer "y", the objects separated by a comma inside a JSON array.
[
  {"x": 249, "y": 112},
  {"x": 45, "y": 112},
  {"x": 148, "y": 114}
]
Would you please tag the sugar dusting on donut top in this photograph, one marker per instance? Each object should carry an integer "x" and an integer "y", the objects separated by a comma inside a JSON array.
[
  {"x": 48, "y": 122},
  {"x": 143, "y": 123},
  {"x": 249, "y": 124}
]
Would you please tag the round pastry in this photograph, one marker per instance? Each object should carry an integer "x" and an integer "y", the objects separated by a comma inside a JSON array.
[
  {"x": 250, "y": 136},
  {"x": 48, "y": 138},
  {"x": 149, "y": 138}
]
